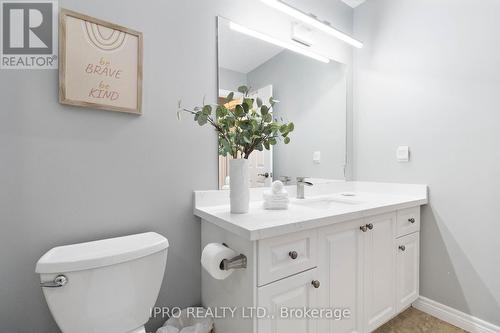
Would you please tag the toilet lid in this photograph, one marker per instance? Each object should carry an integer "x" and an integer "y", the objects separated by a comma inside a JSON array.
[{"x": 77, "y": 257}]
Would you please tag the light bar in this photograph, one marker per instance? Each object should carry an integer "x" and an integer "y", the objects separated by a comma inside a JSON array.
[
  {"x": 277, "y": 42},
  {"x": 307, "y": 19}
]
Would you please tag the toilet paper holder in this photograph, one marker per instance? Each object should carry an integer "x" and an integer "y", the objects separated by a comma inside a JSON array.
[{"x": 237, "y": 262}]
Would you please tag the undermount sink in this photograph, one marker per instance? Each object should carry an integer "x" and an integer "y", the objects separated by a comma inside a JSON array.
[{"x": 327, "y": 202}]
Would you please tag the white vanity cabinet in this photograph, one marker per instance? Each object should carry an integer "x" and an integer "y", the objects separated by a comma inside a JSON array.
[
  {"x": 408, "y": 260},
  {"x": 364, "y": 265},
  {"x": 379, "y": 266},
  {"x": 341, "y": 273},
  {"x": 367, "y": 268}
]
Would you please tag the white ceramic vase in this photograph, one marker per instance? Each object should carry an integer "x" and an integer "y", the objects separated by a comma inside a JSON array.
[{"x": 238, "y": 184}]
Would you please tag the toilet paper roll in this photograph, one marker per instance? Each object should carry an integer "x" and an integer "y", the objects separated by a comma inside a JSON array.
[{"x": 211, "y": 258}]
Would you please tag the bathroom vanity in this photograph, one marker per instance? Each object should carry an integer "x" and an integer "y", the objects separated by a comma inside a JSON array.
[{"x": 352, "y": 247}]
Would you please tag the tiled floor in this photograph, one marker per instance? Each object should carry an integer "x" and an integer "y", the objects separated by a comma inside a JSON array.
[{"x": 415, "y": 321}]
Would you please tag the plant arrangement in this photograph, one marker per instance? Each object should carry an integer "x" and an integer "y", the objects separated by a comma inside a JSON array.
[{"x": 243, "y": 125}]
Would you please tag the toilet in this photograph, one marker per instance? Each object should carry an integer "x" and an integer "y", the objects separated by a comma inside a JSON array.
[{"x": 107, "y": 285}]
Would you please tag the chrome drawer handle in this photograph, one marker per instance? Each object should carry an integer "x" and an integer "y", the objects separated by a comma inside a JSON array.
[
  {"x": 412, "y": 220},
  {"x": 293, "y": 254},
  {"x": 59, "y": 281},
  {"x": 402, "y": 248},
  {"x": 370, "y": 226},
  {"x": 316, "y": 284},
  {"x": 363, "y": 228}
]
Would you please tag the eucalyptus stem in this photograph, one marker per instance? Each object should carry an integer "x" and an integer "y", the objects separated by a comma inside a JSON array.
[{"x": 246, "y": 127}]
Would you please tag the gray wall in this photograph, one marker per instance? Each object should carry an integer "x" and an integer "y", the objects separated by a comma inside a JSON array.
[
  {"x": 313, "y": 95},
  {"x": 70, "y": 174},
  {"x": 429, "y": 77},
  {"x": 231, "y": 80}
]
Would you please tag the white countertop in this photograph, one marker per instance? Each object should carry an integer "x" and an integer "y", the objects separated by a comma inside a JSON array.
[{"x": 369, "y": 199}]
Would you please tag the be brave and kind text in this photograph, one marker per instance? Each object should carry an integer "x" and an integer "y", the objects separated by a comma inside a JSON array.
[{"x": 104, "y": 70}]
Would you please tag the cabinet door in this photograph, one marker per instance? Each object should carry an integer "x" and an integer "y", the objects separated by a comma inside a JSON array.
[
  {"x": 340, "y": 266},
  {"x": 408, "y": 257},
  {"x": 295, "y": 292},
  {"x": 379, "y": 271}
]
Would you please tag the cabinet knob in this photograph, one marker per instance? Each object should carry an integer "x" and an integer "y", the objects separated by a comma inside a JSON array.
[
  {"x": 402, "y": 247},
  {"x": 411, "y": 220},
  {"x": 369, "y": 226},
  {"x": 363, "y": 228},
  {"x": 316, "y": 284},
  {"x": 293, "y": 254}
]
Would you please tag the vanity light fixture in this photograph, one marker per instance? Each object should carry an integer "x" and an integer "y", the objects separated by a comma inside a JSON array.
[
  {"x": 312, "y": 21},
  {"x": 277, "y": 42}
]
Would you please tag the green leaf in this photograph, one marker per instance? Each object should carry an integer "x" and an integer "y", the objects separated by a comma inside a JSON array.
[
  {"x": 219, "y": 111},
  {"x": 291, "y": 127},
  {"x": 264, "y": 110},
  {"x": 249, "y": 102},
  {"x": 266, "y": 145},
  {"x": 243, "y": 89},
  {"x": 246, "y": 108},
  {"x": 239, "y": 111},
  {"x": 267, "y": 118},
  {"x": 287, "y": 140},
  {"x": 259, "y": 102},
  {"x": 272, "y": 141},
  {"x": 226, "y": 145},
  {"x": 230, "y": 97},
  {"x": 247, "y": 140},
  {"x": 207, "y": 110},
  {"x": 202, "y": 119}
]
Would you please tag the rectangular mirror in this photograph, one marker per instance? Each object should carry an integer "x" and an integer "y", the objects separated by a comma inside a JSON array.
[{"x": 311, "y": 94}]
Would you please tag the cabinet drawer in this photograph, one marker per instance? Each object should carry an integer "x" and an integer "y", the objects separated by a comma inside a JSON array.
[
  {"x": 283, "y": 256},
  {"x": 408, "y": 221}
]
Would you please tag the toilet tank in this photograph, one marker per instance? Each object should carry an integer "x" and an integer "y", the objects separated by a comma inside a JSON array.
[{"x": 112, "y": 284}]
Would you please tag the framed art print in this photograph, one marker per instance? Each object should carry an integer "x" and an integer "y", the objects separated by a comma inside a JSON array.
[{"x": 100, "y": 64}]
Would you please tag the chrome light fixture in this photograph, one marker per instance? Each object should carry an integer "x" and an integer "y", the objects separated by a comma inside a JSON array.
[
  {"x": 277, "y": 42},
  {"x": 312, "y": 21}
]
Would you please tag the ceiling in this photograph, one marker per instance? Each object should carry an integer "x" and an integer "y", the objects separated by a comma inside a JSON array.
[
  {"x": 354, "y": 3},
  {"x": 242, "y": 53}
]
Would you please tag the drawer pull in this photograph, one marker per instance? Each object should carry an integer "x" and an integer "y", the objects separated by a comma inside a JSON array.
[
  {"x": 369, "y": 226},
  {"x": 293, "y": 254},
  {"x": 363, "y": 228},
  {"x": 411, "y": 220},
  {"x": 402, "y": 247},
  {"x": 316, "y": 284}
]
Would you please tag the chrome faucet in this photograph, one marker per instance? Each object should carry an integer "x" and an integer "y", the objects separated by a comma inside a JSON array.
[{"x": 300, "y": 186}]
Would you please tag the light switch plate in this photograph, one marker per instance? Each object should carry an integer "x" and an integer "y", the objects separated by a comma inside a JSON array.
[
  {"x": 403, "y": 154},
  {"x": 317, "y": 157}
]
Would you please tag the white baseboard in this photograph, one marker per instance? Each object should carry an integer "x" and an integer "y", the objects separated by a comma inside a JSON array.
[{"x": 454, "y": 317}]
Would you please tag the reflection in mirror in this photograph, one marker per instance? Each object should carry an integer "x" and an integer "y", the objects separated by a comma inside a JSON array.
[{"x": 311, "y": 94}]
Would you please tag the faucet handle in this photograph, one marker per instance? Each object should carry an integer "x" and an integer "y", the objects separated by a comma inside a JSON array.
[
  {"x": 285, "y": 179},
  {"x": 302, "y": 180}
]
